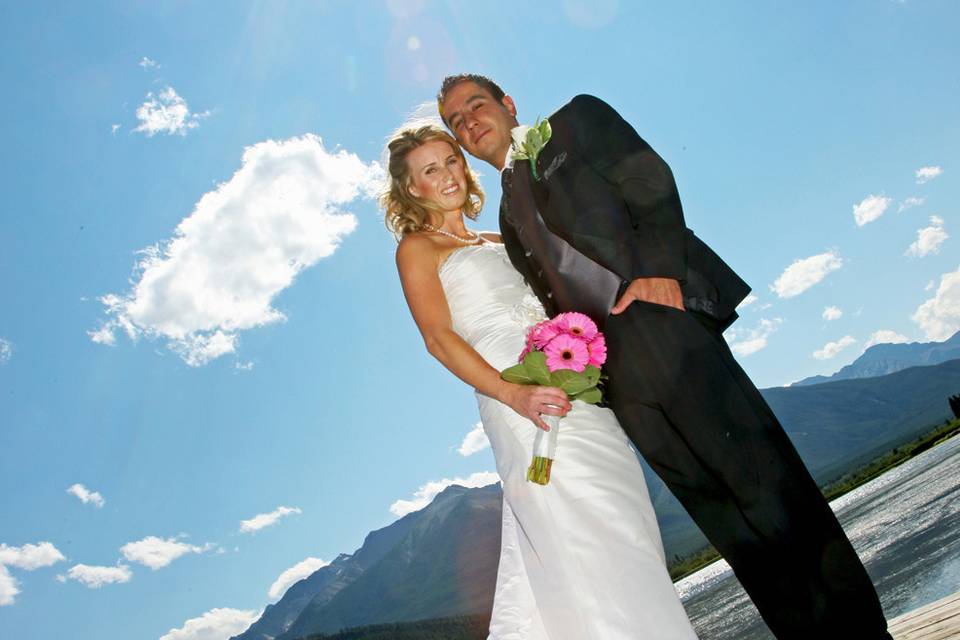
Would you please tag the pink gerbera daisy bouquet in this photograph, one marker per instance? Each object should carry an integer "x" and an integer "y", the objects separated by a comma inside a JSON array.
[{"x": 566, "y": 352}]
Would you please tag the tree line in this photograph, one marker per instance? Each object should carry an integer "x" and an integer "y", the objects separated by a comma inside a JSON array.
[{"x": 473, "y": 627}]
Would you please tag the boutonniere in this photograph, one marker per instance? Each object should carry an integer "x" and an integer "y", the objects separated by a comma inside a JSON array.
[{"x": 529, "y": 141}]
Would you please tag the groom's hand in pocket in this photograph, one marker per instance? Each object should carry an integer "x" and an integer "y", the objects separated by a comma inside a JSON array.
[{"x": 665, "y": 291}]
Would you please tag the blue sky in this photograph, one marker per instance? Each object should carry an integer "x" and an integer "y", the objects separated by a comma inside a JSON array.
[{"x": 201, "y": 322}]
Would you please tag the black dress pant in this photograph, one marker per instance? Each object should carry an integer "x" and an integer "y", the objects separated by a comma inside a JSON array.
[{"x": 705, "y": 429}]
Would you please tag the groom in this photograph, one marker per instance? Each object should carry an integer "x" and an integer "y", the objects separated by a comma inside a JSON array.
[{"x": 595, "y": 225}]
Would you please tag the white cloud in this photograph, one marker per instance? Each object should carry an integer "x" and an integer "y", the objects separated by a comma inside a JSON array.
[
  {"x": 104, "y": 335},
  {"x": 745, "y": 342},
  {"x": 926, "y": 174},
  {"x": 8, "y": 587},
  {"x": 157, "y": 553},
  {"x": 930, "y": 286},
  {"x": 885, "y": 336},
  {"x": 804, "y": 273},
  {"x": 166, "y": 112},
  {"x": 910, "y": 203},
  {"x": 831, "y": 349},
  {"x": 245, "y": 242},
  {"x": 30, "y": 556},
  {"x": 475, "y": 441},
  {"x": 939, "y": 316},
  {"x": 114, "y": 128},
  {"x": 216, "y": 624},
  {"x": 95, "y": 577},
  {"x": 832, "y": 313},
  {"x": 928, "y": 239},
  {"x": 197, "y": 350},
  {"x": 746, "y": 302},
  {"x": 293, "y": 575},
  {"x": 86, "y": 496},
  {"x": 426, "y": 493},
  {"x": 870, "y": 208},
  {"x": 262, "y": 520},
  {"x": 6, "y": 351},
  {"x": 147, "y": 63}
]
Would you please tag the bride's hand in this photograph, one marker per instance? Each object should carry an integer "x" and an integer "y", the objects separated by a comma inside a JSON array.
[{"x": 531, "y": 400}]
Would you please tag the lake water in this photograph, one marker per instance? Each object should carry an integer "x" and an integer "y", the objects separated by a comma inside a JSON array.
[{"x": 906, "y": 527}]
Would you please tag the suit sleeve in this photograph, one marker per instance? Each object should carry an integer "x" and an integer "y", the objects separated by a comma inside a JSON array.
[{"x": 613, "y": 148}]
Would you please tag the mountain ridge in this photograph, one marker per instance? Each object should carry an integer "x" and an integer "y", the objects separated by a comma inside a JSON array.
[{"x": 886, "y": 358}]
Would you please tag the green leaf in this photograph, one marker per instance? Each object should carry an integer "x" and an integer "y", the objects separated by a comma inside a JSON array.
[
  {"x": 534, "y": 139},
  {"x": 570, "y": 381},
  {"x": 536, "y": 364},
  {"x": 545, "y": 130},
  {"x": 517, "y": 374},
  {"x": 590, "y": 396},
  {"x": 593, "y": 374}
]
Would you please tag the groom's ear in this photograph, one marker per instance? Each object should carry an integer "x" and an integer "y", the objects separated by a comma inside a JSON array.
[{"x": 510, "y": 105}]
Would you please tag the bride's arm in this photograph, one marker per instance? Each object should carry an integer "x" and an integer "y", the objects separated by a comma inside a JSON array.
[{"x": 417, "y": 262}]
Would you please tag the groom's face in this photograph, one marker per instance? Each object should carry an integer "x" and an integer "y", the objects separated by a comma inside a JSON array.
[{"x": 480, "y": 123}]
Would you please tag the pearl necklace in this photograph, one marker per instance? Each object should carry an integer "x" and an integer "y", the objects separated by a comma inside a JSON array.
[{"x": 477, "y": 238}]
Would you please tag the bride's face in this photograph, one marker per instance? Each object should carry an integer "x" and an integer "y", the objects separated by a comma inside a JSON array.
[{"x": 437, "y": 174}]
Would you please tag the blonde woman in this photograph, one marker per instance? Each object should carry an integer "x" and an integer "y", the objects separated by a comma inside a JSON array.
[{"x": 581, "y": 558}]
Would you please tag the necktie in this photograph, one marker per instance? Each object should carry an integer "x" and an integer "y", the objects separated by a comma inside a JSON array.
[{"x": 506, "y": 183}]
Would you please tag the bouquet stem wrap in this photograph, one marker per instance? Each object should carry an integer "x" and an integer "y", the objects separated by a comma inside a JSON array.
[{"x": 544, "y": 451}]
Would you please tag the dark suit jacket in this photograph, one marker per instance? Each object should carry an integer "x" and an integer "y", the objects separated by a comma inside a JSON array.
[{"x": 609, "y": 195}]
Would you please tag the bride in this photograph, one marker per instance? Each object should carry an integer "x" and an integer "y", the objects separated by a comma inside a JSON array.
[{"x": 581, "y": 557}]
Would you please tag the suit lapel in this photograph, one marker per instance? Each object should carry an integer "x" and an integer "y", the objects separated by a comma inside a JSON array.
[
  {"x": 528, "y": 192},
  {"x": 553, "y": 155}
]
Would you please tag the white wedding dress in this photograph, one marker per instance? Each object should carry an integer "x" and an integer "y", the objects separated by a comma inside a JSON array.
[{"x": 581, "y": 557}]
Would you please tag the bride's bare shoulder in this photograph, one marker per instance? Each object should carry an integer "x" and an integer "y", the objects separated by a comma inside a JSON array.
[
  {"x": 491, "y": 236},
  {"x": 416, "y": 248}
]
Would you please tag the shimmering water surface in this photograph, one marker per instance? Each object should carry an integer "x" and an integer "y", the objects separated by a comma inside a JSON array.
[{"x": 906, "y": 527}]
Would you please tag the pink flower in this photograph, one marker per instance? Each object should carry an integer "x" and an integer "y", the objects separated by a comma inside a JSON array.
[
  {"x": 577, "y": 324},
  {"x": 597, "y": 348},
  {"x": 567, "y": 352},
  {"x": 542, "y": 333}
]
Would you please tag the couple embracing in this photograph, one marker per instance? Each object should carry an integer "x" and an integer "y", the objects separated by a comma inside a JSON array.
[{"x": 593, "y": 224}]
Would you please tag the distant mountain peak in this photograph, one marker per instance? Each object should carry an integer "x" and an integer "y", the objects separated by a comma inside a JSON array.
[
  {"x": 886, "y": 358},
  {"x": 456, "y": 490}
]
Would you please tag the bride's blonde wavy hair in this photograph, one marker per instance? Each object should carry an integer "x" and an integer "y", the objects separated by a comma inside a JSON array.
[{"x": 403, "y": 212}]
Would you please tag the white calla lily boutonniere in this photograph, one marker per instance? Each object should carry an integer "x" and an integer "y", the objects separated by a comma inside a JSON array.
[{"x": 529, "y": 141}]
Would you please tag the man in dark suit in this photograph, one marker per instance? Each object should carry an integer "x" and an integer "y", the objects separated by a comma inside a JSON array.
[{"x": 595, "y": 225}]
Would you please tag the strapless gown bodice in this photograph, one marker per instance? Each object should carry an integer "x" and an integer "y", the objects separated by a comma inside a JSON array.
[{"x": 490, "y": 304}]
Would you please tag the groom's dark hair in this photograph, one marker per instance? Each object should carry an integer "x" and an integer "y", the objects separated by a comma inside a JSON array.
[{"x": 451, "y": 81}]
